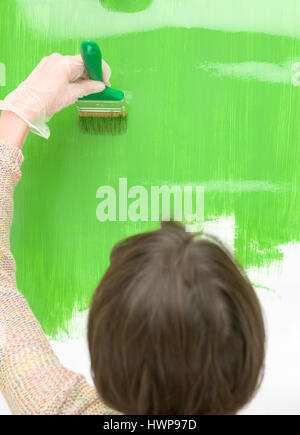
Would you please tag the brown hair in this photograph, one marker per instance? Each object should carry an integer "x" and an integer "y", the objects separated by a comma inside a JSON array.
[{"x": 175, "y": 327}]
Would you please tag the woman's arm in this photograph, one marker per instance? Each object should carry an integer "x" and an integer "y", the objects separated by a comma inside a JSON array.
[
  {"x": 31, "y": 377},
  {"x": 13, "y": 130}
]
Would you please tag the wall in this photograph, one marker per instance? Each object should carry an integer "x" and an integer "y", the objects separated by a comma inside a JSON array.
[{"x": 212, "y": 101}]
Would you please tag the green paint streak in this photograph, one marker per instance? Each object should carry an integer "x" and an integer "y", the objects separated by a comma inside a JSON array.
[
  {"x": 126, "y": 6},
  {"x": 184, "y": 125},
  {"x": 257, "y": 286}
]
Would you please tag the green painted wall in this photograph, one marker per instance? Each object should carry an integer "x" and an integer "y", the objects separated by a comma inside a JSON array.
[{"x": 213, "y": 107}]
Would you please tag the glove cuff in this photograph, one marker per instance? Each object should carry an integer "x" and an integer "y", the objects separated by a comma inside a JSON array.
[{"x": 41, "y": 129}]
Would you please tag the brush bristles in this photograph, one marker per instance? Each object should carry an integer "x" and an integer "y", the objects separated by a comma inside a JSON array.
[
  {"x": 103, "y": 125},
  {"x": 102, "y": 114}
]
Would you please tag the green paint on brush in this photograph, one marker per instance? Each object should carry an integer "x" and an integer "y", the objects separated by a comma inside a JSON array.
[{"x": 186, "y": 125}]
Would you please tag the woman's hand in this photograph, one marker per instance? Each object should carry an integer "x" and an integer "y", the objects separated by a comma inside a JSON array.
[{"x": 54, "y": 84}]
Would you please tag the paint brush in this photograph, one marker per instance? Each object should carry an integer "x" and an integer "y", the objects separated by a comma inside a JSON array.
[{"x": 104, "y": 112}]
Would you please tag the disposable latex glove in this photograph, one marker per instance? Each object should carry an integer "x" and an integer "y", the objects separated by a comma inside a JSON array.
[{"x": 54, "y": 84}]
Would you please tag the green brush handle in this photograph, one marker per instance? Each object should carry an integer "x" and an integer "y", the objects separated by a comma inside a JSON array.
[{"x": 92, "y": 58}]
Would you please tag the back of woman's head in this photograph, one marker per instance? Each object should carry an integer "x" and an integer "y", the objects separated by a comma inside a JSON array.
[{"x": 175, "y": 327}]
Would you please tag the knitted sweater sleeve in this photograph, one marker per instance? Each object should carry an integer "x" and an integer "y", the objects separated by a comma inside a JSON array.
[{"x": 32, "y": 379}]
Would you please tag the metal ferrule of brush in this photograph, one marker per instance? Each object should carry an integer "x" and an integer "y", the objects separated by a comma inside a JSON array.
[{"x": 104, "y": 108}]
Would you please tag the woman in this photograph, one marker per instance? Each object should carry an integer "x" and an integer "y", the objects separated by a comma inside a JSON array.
[{"x": 175, "y": 326}]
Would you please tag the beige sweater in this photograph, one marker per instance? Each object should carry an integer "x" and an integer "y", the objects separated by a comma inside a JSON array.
[{"x": 31, "y": 377}]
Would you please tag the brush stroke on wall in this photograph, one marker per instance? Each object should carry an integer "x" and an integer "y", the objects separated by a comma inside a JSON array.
[{"x": 262, "y": 16}]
